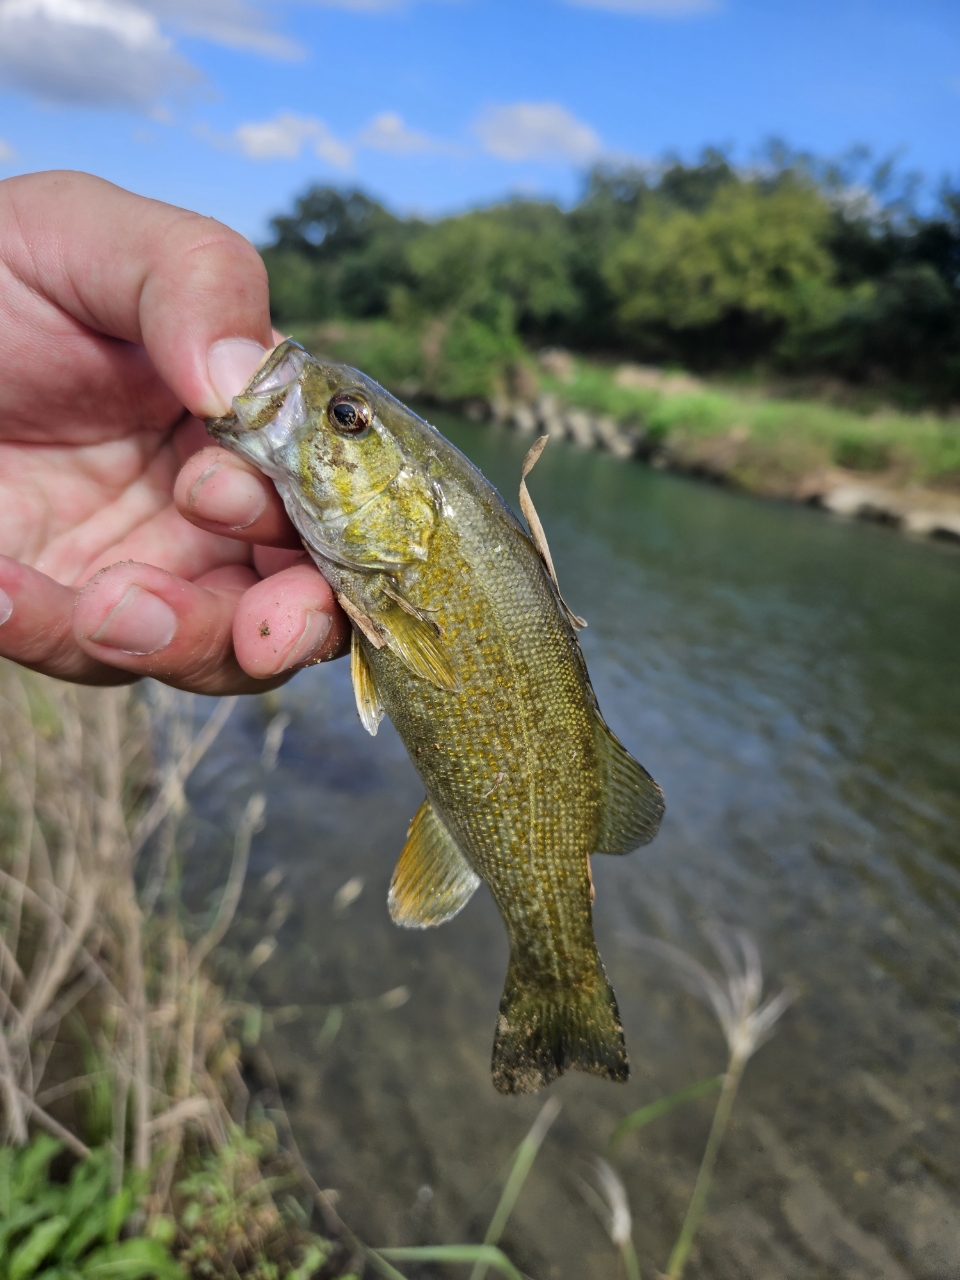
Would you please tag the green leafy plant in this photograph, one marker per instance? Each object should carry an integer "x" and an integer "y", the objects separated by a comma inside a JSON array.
[
  {"x": 72, "y": 1230},
  {"x": 643, "y": 1116},
  {"x": 237, "y": 1215},
  {"x": 858, "y": 454}
]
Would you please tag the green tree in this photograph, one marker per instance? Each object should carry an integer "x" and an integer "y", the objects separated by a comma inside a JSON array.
[
  {"x": 340, "y": 253},
  {"x": 753, "y": 263},
  {"x": 812, "y": 267},
  {"x": 508, "y": 266}
]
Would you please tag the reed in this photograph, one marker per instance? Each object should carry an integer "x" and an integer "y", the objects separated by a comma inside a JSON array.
[
  {"x": 110, "y": 1027},
  {"x": 90, "y": 779},
  {"x": 747, "y": 1020}
]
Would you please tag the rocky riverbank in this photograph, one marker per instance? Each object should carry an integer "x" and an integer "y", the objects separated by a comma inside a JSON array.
[
  {"x": 828, "y": 447},
  {"x": 737, "y": 458}
]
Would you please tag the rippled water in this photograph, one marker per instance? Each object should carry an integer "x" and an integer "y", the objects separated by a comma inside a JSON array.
[{"x": 794, "y": 685}]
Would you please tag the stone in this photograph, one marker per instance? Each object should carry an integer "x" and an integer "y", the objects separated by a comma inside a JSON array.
[
  {"x": 921, "y": 523},
  {"x": 500, "y": 408},
  {"x": 558, "y": 362},
  {"x": 947, "y": 526},
  {"x": 546, "y": 409},
  {"x": 865, "y": 501},
  {"x": 612, "y": 438},
  {"x": 523, "y": 418},
  {"x": 580, "y": 428},
  {"x": 646, "y": 377},
  {"x": 475, "y": 410}
]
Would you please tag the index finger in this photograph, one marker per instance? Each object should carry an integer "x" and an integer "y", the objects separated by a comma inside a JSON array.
[{"x": 190, "y": 290}]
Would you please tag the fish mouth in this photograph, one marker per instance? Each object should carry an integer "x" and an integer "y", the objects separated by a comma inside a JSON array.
[{"x": 271, "y": 401}]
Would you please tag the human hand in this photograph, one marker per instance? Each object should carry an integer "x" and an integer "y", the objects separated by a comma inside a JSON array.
[{"x": 120, "y": 318}]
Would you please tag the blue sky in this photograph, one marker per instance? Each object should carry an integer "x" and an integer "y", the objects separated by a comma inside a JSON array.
[{"x": 233, "y": 106}]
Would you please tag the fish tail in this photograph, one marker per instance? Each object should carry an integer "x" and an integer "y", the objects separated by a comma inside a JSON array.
[{"x": 544, "y": 1030}]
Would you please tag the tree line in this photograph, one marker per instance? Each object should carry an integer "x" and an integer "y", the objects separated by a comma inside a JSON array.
[{"x": 793, "y": 267}]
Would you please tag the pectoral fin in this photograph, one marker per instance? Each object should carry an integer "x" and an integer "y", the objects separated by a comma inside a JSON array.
[
  {"x": 417, "y": 644},
  {"x": 369, "y": 706},
  {"x": 432, "y": 880},
  {"x": 632, "y": 802}
]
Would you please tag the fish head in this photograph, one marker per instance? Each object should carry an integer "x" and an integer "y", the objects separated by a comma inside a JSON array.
[{"x": 334, "y": 442}]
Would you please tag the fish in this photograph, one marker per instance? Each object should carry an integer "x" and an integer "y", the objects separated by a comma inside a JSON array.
[{"x": 460, "y": 635}]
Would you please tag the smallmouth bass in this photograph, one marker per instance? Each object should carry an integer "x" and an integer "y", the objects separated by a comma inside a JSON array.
[{"x": 461, "y": 636}]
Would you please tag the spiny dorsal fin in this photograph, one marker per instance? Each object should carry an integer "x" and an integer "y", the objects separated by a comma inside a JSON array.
[
  {"x": 432, "y": 880},
  {"x": 632, "y": 803},
  {"x": 536, "y": 528},
  {"x": 417, "y": 644},
  {"x": 369, "y": 705}
]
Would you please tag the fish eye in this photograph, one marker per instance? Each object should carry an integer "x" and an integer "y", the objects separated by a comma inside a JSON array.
[{"x": 349, "y": 414}]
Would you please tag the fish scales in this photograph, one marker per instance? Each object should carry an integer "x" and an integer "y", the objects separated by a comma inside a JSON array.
[
  {"x": 530, "y": 834},
  {"x": 461, "y": 636}
]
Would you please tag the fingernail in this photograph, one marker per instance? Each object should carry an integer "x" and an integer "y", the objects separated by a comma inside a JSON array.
[
  {"x": 315, "y": 631},
  {"x": 6, "y": 606},
  {"x": 231, "y": 363},
  {"x": 227, "y": 496},
  {"x": 141, "y": 623}
]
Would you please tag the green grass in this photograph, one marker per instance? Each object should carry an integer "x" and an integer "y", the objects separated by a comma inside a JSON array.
[
  {"x": 71, "y": 1230},
  {"x": 801, "y": 434}
]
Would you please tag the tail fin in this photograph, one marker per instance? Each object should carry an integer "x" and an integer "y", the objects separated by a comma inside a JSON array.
[{"x": 542, "y": 1032}]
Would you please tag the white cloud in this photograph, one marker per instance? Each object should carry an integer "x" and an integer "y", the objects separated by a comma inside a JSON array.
[
  {"x": 93, "y": 52},
  {"x": 285, "y": 136},
  {"x": 364, "y": 6},
  {"x": 387, "y": 132},
  {"x": 118, "y": 52},
  {"x": 7, "y": 152},
  {"x": 237, "y": 24},
  {"x": 537, "y": 131},
  {"x": 650, "y": 8}
]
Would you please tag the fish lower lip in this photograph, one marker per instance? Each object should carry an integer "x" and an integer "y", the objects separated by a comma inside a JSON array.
[{"x": 221, "y": 427}]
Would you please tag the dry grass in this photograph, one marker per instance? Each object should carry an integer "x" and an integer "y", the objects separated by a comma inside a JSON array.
[
  {"x": 105, "y": 1007},
  {"x": 91, "y": 937}
]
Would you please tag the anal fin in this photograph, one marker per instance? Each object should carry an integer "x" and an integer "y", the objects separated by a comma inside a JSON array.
[
  {"x": 632, "y": 803},
  {"x": 369, "y": 706},
  {"x": 432, "y": 880}
]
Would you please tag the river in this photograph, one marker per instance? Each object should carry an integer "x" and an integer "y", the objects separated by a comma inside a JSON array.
[{"x": 793, "y": 683}]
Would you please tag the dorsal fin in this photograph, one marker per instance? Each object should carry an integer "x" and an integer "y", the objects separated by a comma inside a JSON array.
[
  {"x": 632, "y": 803},
  {"x": 432, "y": 880},
  {"x": 536, "y": 528},
  {"x": 369, "y": 706}
]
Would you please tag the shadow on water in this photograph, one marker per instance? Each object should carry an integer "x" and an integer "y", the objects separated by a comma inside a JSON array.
[{"x": 794, "y": 685}]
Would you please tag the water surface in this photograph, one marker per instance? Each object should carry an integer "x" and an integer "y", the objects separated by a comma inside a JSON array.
[{"x": 793, "y": 683}]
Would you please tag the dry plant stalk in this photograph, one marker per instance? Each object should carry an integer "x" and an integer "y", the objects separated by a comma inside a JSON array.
[{"x": 87, "y": 778}]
